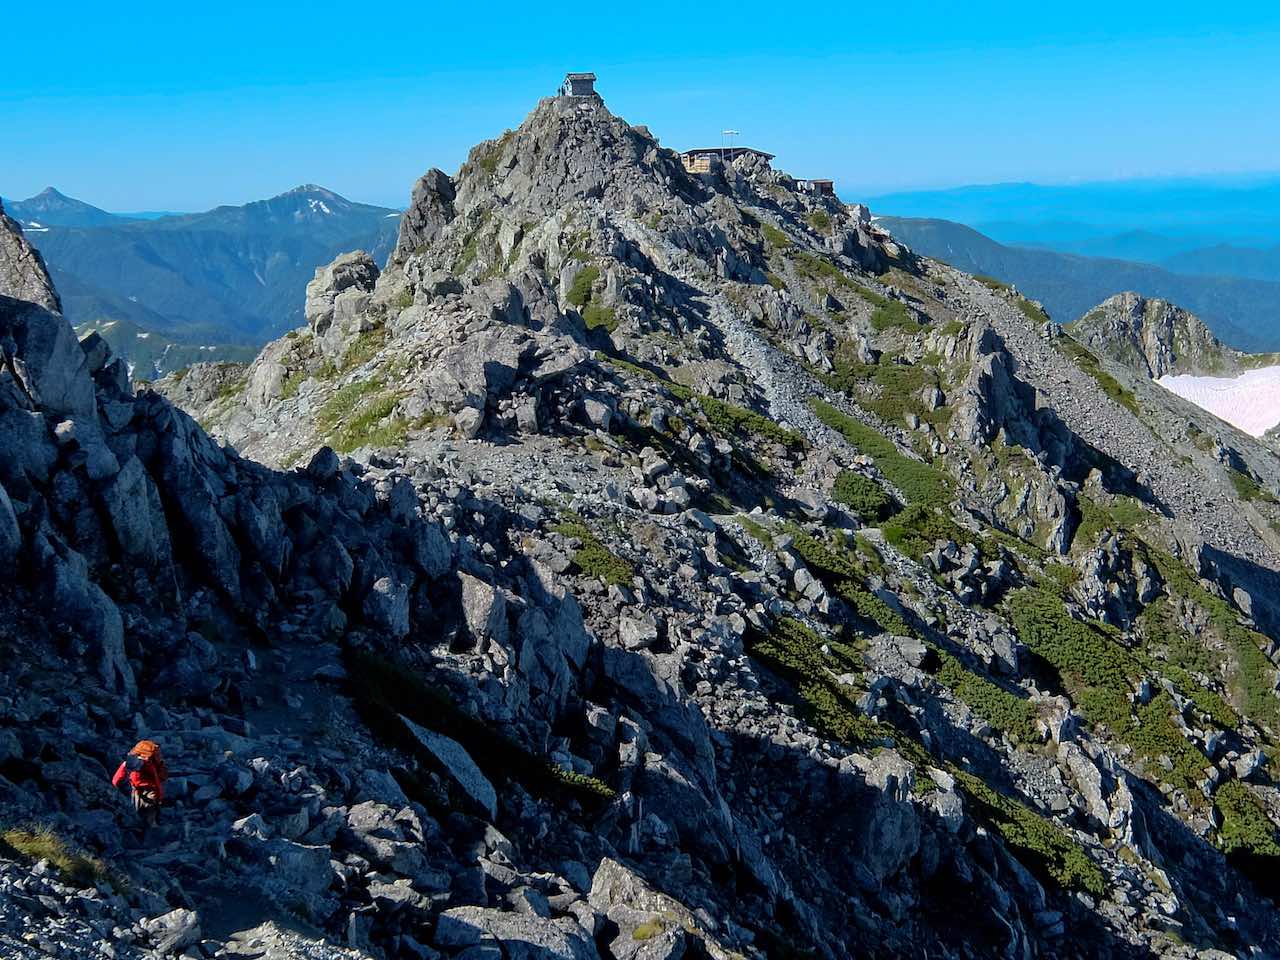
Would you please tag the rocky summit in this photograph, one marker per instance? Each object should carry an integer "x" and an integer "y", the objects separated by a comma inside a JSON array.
[
  {"x": 1161, "y": 340},
  {"x": 1156, "y": 337},
  {"x": 638, "y": 564}
]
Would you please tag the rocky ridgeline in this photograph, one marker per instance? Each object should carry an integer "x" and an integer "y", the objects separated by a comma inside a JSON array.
[{"x": 639, "y": 565}]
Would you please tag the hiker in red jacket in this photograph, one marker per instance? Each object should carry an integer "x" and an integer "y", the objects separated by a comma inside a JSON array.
[{"x": 146, "y": 773}]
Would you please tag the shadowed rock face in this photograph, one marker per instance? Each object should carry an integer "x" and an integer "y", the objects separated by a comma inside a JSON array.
[
  {"x": 41, "y": 354},
  {"x": 673, "y": 566},
  {"x": 23, "y": 275}
]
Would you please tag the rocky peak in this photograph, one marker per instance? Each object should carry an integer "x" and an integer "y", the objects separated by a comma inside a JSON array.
[
  {"x": 570, "y": 149},
  {"x": 1153, "y": 336}
]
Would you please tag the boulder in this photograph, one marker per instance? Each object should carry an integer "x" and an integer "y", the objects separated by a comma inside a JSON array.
[
  {"x": 386, "y": 607},
  {"x": 520, "y": 936},
  {"x": 651, "y": 925},
  {"x": 299, "y": 867},
  {"x": 337, "y": 293},
  {"x": 203, "y": 529},
  {"x": 484, "y": 608},
  {"x": 262, "y": 527},
  {"x": 455, "y": 759},
  {"x": 381, "y": 786},
  {"x": 38, "y": 346},
  {"x": 636, "y": 632},
  {"x": 42, "y": 350},
  {"x": 540, "y": 657},
  {"x": 174, "y": 931},
  {"x": 266, "y": 383},
  {"x": 324, "y": 465},
  {"x": 135, "y": 516},
  {"x": 889, "y": 833},
  {"x": 23, "y": 274},
  {"x": 468, "y": 422},
  {"x": 29, "y": 451},
  {"x": 82, "y": 606},
  {"x": 432, "y": 551},
  {"x": 97, "y": 352}
]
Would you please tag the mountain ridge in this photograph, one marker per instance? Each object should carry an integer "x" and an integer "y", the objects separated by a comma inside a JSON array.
[
  {"x": 654, "y": 564},
  {"x": 1240, "y": 311},
  {"x": 227, "y": 277}
]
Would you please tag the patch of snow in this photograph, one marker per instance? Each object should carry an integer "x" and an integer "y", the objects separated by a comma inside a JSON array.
[
  {"x": 133, "y": 299},
  {"x": 1250, "y": 401},
  {"x": 390, "y": 215},
  {"x": 314, "y": 204},
  {"x": 143, "y": 336}
]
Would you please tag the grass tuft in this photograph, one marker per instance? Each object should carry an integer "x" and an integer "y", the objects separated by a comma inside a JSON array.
[
  {"x": 727, "y": 418},
  {"x": 1245, "y": 824},
  {"x": 593, "y": 558},
  {"x": 1000, "y": 708},
  {"x": 1046, "y": 845},
  {"x": 867, "y": 498},
  {"x": 35, "y": 843},
  {"x": 580, "y": 291}
]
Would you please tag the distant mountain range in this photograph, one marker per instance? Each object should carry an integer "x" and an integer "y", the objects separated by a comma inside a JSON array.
[
  {"x": 1231, "y": 261},
  {"x": 1242, "y": 311},
  {"x": 233, "y": 277},
  {"x": 1207, "y": 210}
]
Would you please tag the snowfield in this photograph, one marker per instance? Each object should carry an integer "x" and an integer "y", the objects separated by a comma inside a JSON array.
[{"x": 1250, "y": 401}]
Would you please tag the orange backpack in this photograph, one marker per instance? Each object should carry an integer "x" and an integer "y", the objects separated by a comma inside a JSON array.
[{"x": 148, "y": 751}]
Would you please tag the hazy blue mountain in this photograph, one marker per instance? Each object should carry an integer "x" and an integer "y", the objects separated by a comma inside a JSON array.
[
  {"x": 1243, "y": 313},
  {"x": 1140, "y": 245},
  {"x": 49, "y": 208},
  {"x": 1222, "y": 207},
  {"x": 1260, "y": 264},
  {"x": 149, "y": 214},
  {"x": 230, "y": 275}
]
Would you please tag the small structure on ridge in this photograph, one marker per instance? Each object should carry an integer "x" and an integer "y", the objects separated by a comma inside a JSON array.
[
  {"x": 578, "y": 85},
  {"x": 699, "y": 160}
]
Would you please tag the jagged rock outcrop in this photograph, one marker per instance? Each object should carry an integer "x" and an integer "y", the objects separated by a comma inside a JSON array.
[
  {"x": 1026, "y": 490},
  {"x": 338, "y": 300},
  {"x": 23, "y": 275},
  {"x": 430, "y": 210},
  {"x": 40, "y": 354},
  {"x": 1155, "y": 337}
]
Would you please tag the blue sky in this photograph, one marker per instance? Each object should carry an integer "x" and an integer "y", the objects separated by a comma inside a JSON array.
[{"x": 165, "y": 108}]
